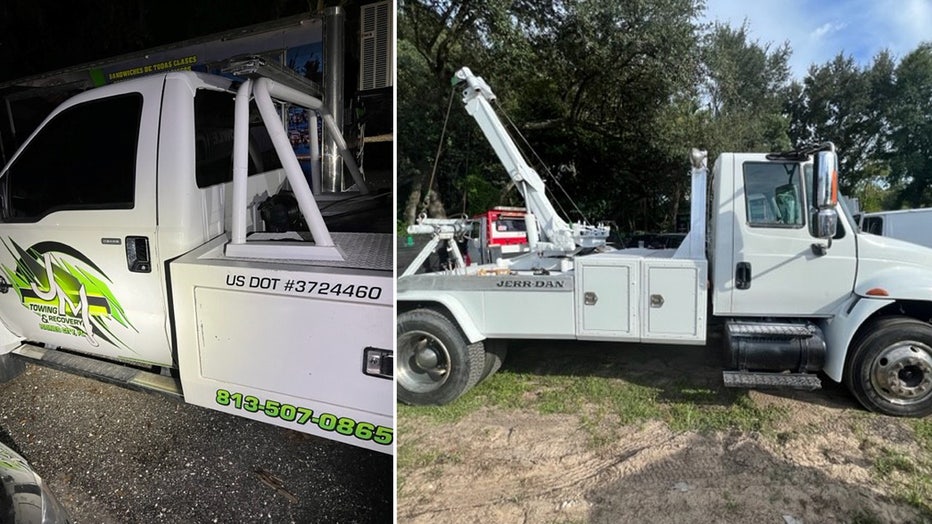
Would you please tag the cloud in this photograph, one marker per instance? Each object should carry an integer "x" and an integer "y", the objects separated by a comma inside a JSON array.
[
  {"x": 825, "y": 29},
  {"x": 817, "y": 30}
]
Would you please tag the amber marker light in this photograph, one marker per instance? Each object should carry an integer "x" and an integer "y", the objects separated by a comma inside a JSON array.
[{"x": 877, "y": 292}]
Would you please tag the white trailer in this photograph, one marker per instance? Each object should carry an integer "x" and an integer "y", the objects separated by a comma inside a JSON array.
[
  {"x": 911, "y": 225},
  {"x": 800, "y": 289}
]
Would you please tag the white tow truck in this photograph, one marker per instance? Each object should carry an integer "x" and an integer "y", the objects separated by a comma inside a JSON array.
[
  {"x": 800, "y": 290},
  {"x": 146, "y": 241}
]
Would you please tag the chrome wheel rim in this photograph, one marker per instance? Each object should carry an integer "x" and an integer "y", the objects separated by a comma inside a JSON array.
[
  {"x": 424, "y": 362},
  {"x": 902, "y": 373}
]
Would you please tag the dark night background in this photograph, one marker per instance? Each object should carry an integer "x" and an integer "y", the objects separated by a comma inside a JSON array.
[{"x": 37, "y": 36}]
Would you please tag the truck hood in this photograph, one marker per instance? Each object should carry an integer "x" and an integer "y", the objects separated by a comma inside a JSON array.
[{"x": 902, "y": 269}]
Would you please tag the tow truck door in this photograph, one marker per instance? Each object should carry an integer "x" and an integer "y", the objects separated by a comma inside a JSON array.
[
  {"x": 775, "y": 271},
  {"x": 78, "y": 214}
]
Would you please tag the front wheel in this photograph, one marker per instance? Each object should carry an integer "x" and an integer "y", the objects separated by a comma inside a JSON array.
[
  {"x": 436, "y": 364},
  {"x": 890, "y": 369}
]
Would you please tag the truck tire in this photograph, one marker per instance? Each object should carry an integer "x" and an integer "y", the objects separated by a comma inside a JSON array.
[
  {"x": 436, "y": 364},
  {"x": 890, "y": 368},
  {"x": 495, "y": 352}
]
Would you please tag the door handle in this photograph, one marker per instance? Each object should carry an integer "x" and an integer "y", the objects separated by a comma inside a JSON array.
[
  {"x": 137, "y": 255},
  {"x": 743, "y": 275}
]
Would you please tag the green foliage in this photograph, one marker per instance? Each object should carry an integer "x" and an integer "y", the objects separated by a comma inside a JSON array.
[
  {"x": 613, "y": 93},
  {"x": 923, "y": 429},
  {"x": 907, "y": 472},
  {"x": 840, "y": 102},
  {"x": 587, "y": 83},
  {"x": 911, "y": 124},
  {"x": 891, "y": 461},
  {"x": 479, "y": 194},
  {"x": 874, "y": 193},
  {"x": 908, "y": 475}
]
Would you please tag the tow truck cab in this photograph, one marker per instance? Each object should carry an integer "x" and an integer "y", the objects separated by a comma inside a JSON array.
[{"x": 118, "y": 221}]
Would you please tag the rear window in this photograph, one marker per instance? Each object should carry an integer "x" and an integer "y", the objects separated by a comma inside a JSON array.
[{"x": 214, "y": 121}]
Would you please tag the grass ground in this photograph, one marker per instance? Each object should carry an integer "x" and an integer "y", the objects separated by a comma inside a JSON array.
[{"x": 610, "y": 390}]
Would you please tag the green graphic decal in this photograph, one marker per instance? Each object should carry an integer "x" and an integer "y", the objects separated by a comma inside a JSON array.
[
  {"x": 67, "y": 297},
  {"x": 9, "y": 460}
]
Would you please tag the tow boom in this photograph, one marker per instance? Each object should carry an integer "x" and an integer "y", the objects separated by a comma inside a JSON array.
[{"x": 557, "y": 235}]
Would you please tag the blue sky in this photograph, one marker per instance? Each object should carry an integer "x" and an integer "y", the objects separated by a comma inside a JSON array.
[{"x": 817, "y": 31}]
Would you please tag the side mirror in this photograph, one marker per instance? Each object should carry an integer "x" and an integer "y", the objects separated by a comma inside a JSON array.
[
  {"x": 825, "y": 193},
  {"x": 825, "y": 182},
  {"x": 826, "y": 223}
]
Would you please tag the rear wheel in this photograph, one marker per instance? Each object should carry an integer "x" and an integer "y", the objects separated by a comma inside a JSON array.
[
  {"x": 436, "y": 364},
  {"x": 890, "y": 369}
]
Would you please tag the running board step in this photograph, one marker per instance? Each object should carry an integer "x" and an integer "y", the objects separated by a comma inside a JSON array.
[
  {"x": 749, "y": 379},
  {"x": 769, "y": 329},
  {"x": 101, "y": 370}
]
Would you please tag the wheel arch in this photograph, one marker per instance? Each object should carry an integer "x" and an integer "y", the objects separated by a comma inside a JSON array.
[
  {"x": 445, "y": 305},
  {"x": 855, "y": 321}
]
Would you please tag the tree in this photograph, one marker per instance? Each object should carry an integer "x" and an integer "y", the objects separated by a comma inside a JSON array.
[
  {"x": 612, "y": 92},
  {"x": 744, "y": 88},
  {"x": 911, "y": 129},
  {"x": 591, "y": 99},
  {"x": 435, "y": 39},
  {"x": 847, "y": 105}
]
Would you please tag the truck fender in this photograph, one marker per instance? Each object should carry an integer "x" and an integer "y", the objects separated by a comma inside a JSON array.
[
  {"x": 902, "y": 283},
  {"x": 459, "y": 313},
  {"x": 840, "y": 329}
]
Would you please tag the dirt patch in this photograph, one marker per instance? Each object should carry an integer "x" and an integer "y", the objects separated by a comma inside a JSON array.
[{"x": 816, "y": 463}]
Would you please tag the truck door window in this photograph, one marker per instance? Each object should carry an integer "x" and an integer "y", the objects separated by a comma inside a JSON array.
[
  {"x": 213, "y": 123},
  {"x": 84, "y": 158},
  {"x": 774, "y": 194}
]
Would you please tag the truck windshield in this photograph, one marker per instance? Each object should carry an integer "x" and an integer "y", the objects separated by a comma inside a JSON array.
[{"x": 847, "y": 212}]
